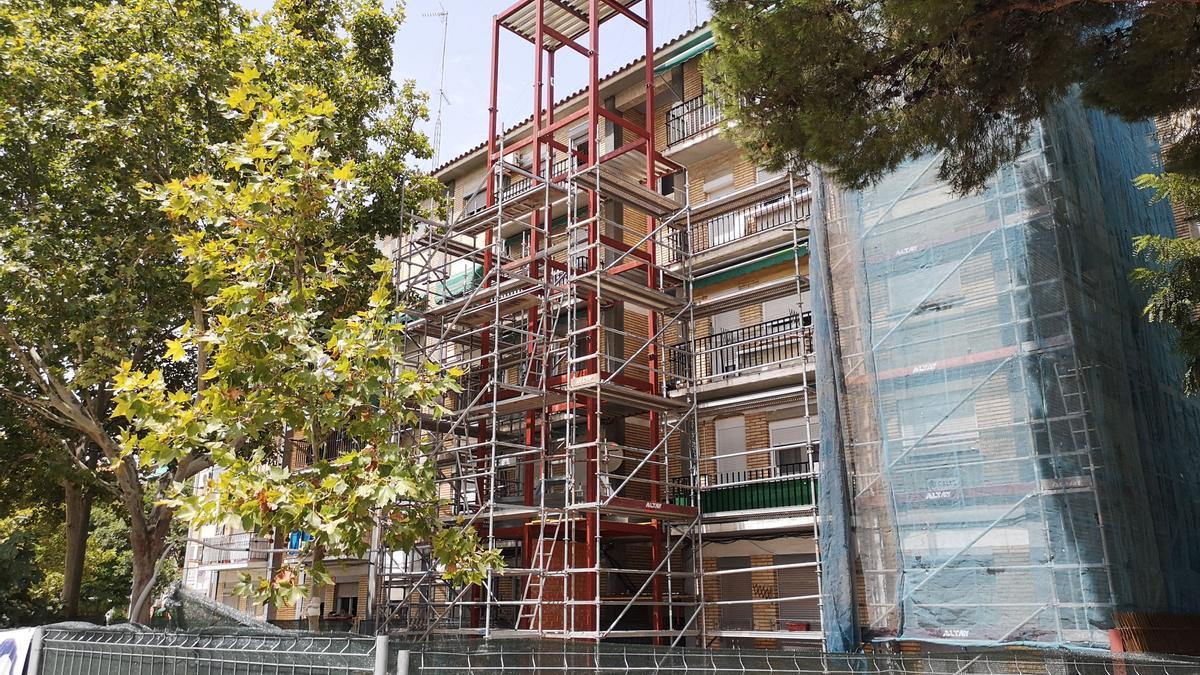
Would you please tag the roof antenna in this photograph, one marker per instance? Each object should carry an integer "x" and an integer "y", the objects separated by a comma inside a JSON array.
[
  {"x": 441, "y": 93},
  {"x": 693, "y": 13}
]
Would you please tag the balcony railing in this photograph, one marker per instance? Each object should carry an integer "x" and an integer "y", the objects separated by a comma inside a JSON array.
[
  {"x": 518, "y": 184},
  {"x": 302, "y": 455},
  {"x": 772, "y": 487},
  {"x": 726, "y": 226},
  {"x": 748, "y": 349},
  {"x": 690, "y": 118},
  {"x": 242, "y": 547}
]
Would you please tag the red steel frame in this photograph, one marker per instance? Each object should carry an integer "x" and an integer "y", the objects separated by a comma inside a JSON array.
[{"x": 544, "y": 126}]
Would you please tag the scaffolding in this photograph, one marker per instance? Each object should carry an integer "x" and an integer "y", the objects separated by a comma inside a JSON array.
[
  {"x": 567, "y": 301},
  {"x": 996, "y": 447}
]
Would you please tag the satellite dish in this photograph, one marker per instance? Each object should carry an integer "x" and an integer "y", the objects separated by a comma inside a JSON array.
[{"x": 613, "y": 462}]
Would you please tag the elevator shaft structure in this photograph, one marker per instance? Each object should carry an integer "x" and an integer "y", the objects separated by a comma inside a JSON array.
[{"x": 567, "y": 301}]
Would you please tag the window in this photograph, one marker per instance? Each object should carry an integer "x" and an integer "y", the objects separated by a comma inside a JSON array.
[
  {"x": 736, "y": 587},
  {"x": 578, "y": 142},
  {"x": 936, "y": 416},
  {"x": 928, "y": 284},
  {"x": 798, "y": 581},
  {"x": 729, "y": 226},
  {"x": 724, "y": 349},
  {"x": 346, "y": 599},
  {"x": 763, "y": 175},
  {"x": 719, "y": 186},
  {"x": 666, "y": 184},
  {"x": 475, "y": 202},
  {"x": 781, "y": 308},
  {"x": 790, "y": 439},
  {"x": 731, "y": 445}
]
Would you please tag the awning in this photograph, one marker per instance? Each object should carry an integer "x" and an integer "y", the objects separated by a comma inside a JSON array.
[
  {"x": 752, "y": 265},
  {"x": 703, "y": 42}
]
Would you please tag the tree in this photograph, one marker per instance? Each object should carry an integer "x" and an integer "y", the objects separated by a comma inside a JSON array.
[
  {"x": 294, "y": 351},
  {"x": 98, "y": 97},
  {"x": 859, "y": 86},
  {"x": 19, "y": 573},
  {"x": 1173, "y": 278}
]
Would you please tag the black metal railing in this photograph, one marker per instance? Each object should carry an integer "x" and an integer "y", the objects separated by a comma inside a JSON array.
[
  {"x": 769, "y": 344},
  {"x": 778, "y": 486},
  {"x": 242, "y": 547},
  {"x": 690, "y": 118},
  {"x": 335, "y": 445},
  {"x": 521, "y": 182},
  {"x": 729, "y": 226},
  {"x": 747, "y": 476}
]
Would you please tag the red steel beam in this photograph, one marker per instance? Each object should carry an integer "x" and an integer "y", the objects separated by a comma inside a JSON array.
[
  {"x": 617, "y": 119},
  {"x": 562, "y": 39},
  {"x": 644, "y": 23}
]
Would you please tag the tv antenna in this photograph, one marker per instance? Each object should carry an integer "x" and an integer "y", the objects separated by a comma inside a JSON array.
[
  {"x": 441, "y": 93},
  {"x": 693, "y": 13}
]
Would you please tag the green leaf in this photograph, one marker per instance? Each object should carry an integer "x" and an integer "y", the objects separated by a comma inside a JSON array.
[
  {"x": 345, "y": 172},
  {"x": 175, "y": 350}
]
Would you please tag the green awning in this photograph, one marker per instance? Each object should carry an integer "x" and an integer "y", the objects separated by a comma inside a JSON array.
[
  {"x": 753, "y": 265},
  {"x": 703, "y": 42}
]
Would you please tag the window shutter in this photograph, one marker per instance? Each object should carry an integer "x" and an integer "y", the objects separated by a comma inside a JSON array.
[
  {"x": 797, "y": 581},
  {"x": 736, "y": 587},
  {"x": 731, "y": 440}
]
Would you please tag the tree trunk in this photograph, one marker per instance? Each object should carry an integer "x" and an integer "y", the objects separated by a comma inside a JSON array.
[
  {"x": 143, "y": 575},
  {"x": 78, "y": 502}
]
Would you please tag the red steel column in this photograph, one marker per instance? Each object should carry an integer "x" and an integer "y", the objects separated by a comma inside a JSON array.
[{"x": 653, "y": 358}]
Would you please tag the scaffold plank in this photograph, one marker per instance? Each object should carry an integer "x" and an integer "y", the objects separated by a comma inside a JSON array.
[{"x": 617, "y": 186}]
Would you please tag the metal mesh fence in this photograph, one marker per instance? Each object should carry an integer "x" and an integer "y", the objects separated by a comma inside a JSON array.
[
  {"x": 519, "y": 657},
  {"x": 68, "y": 650},
  {"x": 131, "y": 652}
]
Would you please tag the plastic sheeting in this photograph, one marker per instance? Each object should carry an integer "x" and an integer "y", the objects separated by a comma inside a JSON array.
[{"x": 1017, "y": 454}]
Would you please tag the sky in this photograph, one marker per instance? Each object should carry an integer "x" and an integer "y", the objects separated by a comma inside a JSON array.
[{"x": 418, "y": 48}]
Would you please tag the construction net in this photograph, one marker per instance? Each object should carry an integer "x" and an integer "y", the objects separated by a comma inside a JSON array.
[{"x": 1007, "y": 455}]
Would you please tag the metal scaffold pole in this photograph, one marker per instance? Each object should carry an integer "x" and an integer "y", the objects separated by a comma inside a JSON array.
[{"x": 571, "y": 449}]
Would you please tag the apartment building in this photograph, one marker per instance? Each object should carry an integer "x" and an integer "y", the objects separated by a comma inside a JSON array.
[
  {"x": 1002, "y": 451},
  {"x": 216, "y": 556},
  {"x": 1016, "y": 453},
  {"x": 743, "y": 355}
]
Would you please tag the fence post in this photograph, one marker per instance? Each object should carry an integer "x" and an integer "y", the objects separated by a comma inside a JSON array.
[
  {"x": 381, "y": 654},
  {"x": 33, "y": 667},
  {"x": 402, "y": 662}
]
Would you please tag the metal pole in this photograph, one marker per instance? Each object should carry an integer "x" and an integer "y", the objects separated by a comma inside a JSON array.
[
  {"x": 402, "y": 662},
  {"x": 381, "y": 655}
]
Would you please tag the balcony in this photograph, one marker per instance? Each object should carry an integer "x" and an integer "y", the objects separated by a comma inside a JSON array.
[
  {"x": 771, "y": 350},
  {"x": 750, "y": 221},
  {"x": 233, "y": 550},
  {"x": 774, "y": 487},
  {"x": 300, "y": 454},
  {"x": 516, "y": 185},
  {"x": 690, "y": 119},
  {"x": 694, "y": 131}
]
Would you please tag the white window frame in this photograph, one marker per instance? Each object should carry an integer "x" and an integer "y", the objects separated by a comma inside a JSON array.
[{"x": 734, "y": 429}]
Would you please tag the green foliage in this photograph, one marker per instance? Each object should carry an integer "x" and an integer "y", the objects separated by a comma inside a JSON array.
[
  {"x": 1173, "y": 275},
  {"x": 293, "y": 351},
  {"x": 97, "y": 98},
  {"x": 859, "y": 86},
  {"x": 20, "y": 602},
  {"x": 32, "y": 544}
]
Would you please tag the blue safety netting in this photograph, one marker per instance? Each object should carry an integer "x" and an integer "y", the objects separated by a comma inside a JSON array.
[{"x": 1012, "y": 458}]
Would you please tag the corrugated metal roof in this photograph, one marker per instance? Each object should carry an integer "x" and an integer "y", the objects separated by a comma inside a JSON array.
[{"x": 680, "y": 42}]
